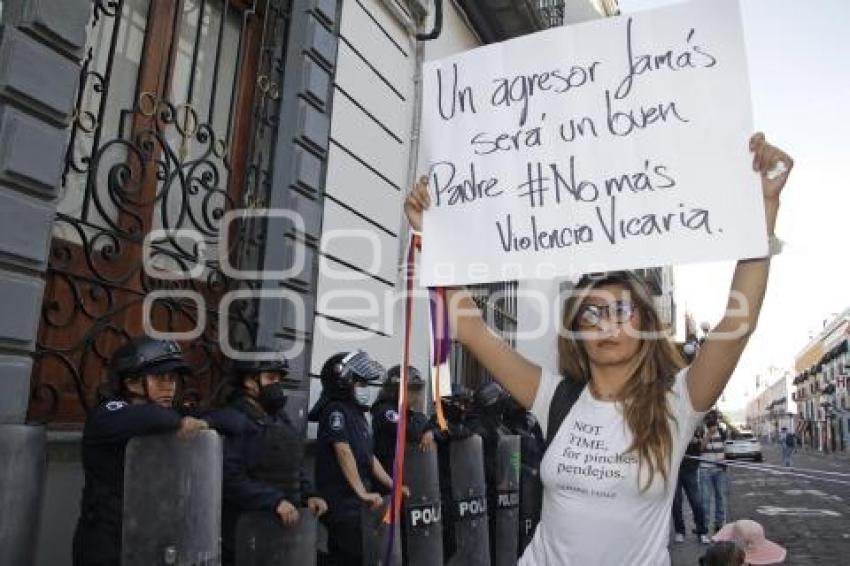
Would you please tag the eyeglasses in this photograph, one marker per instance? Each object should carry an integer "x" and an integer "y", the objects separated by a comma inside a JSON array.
[{"x": 619, "y": 312}]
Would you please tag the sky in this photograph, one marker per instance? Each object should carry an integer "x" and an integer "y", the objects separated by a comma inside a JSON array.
[{"x": 798, "y": 55}]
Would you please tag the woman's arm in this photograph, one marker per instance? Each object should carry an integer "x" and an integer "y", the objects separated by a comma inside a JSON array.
[
  {"x": 514, "y": 372},
  {"x": 519, "y": 376},
  {"x": 724, "y": 345}
]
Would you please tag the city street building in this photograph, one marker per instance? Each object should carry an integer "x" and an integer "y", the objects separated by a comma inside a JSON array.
[
  {"x": 821, "y": 387},
  {"x": 771, "y": 409}
]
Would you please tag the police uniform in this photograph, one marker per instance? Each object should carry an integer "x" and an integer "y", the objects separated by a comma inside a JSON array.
[
  {"x": 108, "y": 429},
  {"x": 385, "y": 419},
  {"x": 263, "y": 454},
  {"x": 341, "y": 420},
  {"x": 385, "y": 416}
]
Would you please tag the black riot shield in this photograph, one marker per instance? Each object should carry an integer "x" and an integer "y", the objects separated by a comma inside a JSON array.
[
  {"x": 263, "y": 540},
  {"x": 469, "y": 502},
  {"x": 172, "y": 500},
  {"x": 376, "y": 535},
  {"x": 530, "y": 488},
  {"x": 506, "y": 520},
  {"x": 423, "y": 515},
  {"x": 530, "y": 499}
]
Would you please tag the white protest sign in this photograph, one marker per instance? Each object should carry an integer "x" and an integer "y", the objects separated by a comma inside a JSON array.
[{"x": 614, "y": 144}]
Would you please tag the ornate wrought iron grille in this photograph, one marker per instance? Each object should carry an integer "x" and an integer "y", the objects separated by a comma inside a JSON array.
[{"x": 175, "y": 115}]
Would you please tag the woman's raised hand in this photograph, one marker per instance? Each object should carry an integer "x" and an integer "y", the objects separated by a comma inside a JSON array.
[
  {"x": 417, "y": 200},
  {"x": 772, "y": 163}
]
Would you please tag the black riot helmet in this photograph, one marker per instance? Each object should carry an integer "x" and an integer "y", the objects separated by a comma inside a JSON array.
[
  {"x": 269, "y": 360},
  {"x": 457, "y": 406},
  {"x": 490, "y": 397},
  {"x": 339, "y": 375},
  {"x": 343, "y": 370},
  {"x": 390, "y": 387},
  {"x": 272, "y": 396},
  {"x": 144, "y": 356},
  {"x": 414, "y": 378}
]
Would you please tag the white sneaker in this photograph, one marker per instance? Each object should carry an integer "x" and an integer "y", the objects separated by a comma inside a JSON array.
[
  {"x": 679, "y": 537},
  {"x": 704, "y": 539}
]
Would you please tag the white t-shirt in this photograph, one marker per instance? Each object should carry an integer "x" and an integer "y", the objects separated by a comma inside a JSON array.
[{"x": 593, "y": 509}]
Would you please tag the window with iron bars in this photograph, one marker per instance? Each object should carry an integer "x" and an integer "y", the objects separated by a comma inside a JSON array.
[
  {"x": 498, "y": 304},
  {"x": 552, "y": 11}
]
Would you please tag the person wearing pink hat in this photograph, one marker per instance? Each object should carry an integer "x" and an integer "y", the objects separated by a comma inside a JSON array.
[{"x": 750, "y": 535}]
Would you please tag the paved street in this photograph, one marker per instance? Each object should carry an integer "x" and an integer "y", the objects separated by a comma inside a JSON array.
[{"x": 809, "y": 515}]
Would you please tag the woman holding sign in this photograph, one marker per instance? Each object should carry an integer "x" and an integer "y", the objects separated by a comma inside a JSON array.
[{"x": 620, "y": 413}]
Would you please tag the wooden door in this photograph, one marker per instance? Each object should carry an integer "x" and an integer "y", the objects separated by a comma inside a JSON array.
[{"x": 174, "y": 117}]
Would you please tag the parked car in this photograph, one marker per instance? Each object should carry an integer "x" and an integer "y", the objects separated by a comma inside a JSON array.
[{"x": 743, "y": 445}]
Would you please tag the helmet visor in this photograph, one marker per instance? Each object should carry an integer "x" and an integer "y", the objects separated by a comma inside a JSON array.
[{"x": 361, "y": 368}]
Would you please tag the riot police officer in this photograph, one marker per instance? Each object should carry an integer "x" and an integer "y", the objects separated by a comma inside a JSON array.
[
  {"x": 485, "y": 420},
  {"x": 144, "y": 381},
  {"x": 522, "y": 423},
  {"x": 385, "y": 416},
  {"x": 455, "y": 408},
  {"x": 263, "y": 451},
  {"x": 348, "y": 474}
]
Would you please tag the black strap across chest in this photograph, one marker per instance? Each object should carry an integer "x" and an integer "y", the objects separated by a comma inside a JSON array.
[{"x": 566, "y": 394}]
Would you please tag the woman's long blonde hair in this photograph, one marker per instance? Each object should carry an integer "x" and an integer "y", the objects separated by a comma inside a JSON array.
[{"x": 644, "y": 397}]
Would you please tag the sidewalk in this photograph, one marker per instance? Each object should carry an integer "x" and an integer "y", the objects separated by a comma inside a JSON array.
[{"x": 839, "y": 456}]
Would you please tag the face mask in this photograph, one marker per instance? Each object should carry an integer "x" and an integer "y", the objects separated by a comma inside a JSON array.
[
  {"x": 272, "y": 397},
  {"x": 361, "y": 394}
]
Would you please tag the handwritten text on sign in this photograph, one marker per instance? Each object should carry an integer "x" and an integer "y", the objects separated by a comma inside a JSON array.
[{"x": 615, "y": 144}]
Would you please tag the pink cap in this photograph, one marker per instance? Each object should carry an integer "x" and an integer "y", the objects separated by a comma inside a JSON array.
[{"x": 750, "y": 535}]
